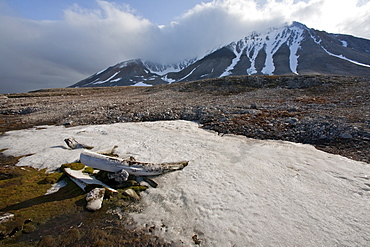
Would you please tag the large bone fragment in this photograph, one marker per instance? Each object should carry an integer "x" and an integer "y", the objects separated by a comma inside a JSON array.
[
  {"x": 82, "y": 179},
  {"x": 114, "y": 164}
]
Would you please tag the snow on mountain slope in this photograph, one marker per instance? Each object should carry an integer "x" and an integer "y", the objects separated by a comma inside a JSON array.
[
  {"x": 291, "y": 49},
  {"x": 163, "y": 69},
  {"x": 270, "y": 42}
]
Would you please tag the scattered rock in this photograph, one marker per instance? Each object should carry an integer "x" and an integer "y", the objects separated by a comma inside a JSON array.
[
  {"x": 151, "y": 229},
  {"x": 291, "y": 120},
  {"x": 68, "y": 123},
  {"x": 120, "y": 176},
  {"x": 131, "y": 193},
  {"x": 73, "y": 144},
  {"x": 196, "y": 239},
  {"x": 95, "y": 199},
  {"x": 345, "y": 136},
  {"x": 151, "y": 182},
  {"x": 6, "y": 217}
]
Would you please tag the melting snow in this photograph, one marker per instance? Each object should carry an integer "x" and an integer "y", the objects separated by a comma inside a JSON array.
[
  {"x": 101, "y": 82},
  {"x": 115, "y": 80},
  {"x": 234, "y": 61},
  {"x": 254, "y": 44},
  {"x": 56, "y": 187},
  {"x": 344, "y": 58},
  {"x": 271, "y": 42},
  {"x": 167, "y": 79},
  {"x": 101, "y": 71},
  {"x": 293, "y": 47},
  {"x": 338, "y": 56},
  {"x": 142, "y": 84},
  {"x": 234, "y": 192},
  {"x": 191, "y": 72},
  {"x": 344, "y": 43}
]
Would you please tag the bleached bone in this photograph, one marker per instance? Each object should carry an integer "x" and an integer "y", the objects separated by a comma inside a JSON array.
[
  {"x": 82, "y": 179},
  {"x": 113, "y": 164}
]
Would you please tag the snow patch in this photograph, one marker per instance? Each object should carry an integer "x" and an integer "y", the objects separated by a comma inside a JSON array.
[
  {"x": 115, "y": 80},
  {"x": 344, "y": 43},
  {"x": 254, "y": 45},
  {"x": 191, "y": 72},
  {"x": 162, "y": 70},
  {"x": 101, "y": 71},
  {"x": 234, "y": 192},
  {"x": 271, "y": 42},
  {"x": 167, "y": 79},
  {"x": 344, "y": 58},
  {"x": 294, "y": 46},
  {"x": 142, "y": 84},
  {"x": 101, "y": 82},
  {"x": 56, "y": 187},
  {"x": 235, "y": 61}
]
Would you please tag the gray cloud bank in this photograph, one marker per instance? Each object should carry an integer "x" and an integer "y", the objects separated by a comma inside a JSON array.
[{"x": 45, "y": 54}]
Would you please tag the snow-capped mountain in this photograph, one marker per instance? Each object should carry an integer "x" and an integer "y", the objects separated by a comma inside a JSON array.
[{"x": 291, "y": 49}]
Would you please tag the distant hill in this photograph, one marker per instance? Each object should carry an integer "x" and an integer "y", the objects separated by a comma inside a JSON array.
[{"x": 291, "y": 49}]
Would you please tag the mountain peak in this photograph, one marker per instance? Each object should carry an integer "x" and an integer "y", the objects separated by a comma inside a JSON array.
[
  {"x": 290, "y": 49},
  {"x": 298, "y": 24}
]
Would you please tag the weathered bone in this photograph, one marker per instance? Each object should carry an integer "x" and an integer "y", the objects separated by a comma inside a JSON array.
[
  {"x": 82, "y": 179},
  {"x": 114, "y": 164}
]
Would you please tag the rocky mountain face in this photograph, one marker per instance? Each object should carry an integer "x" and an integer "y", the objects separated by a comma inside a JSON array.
[{"x": 293, "y": 49}]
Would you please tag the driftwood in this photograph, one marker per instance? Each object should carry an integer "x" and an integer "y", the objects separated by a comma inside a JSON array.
[{"x": 114, "y": 164}]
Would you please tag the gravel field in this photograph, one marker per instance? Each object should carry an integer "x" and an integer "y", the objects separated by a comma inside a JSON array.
[{"x": 330, "y": 112}]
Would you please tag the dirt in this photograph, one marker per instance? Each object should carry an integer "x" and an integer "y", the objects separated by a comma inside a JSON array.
[{"x": 330, "y": 112}]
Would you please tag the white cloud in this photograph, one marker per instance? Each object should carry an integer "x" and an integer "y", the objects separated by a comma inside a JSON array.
[{"x": 40, "y": 54}]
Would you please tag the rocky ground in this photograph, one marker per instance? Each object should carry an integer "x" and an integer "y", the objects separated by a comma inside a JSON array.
[{"x": 330, "y": 112}]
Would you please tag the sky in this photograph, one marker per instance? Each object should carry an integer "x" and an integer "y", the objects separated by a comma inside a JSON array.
[{"x": 45, "y": 44}]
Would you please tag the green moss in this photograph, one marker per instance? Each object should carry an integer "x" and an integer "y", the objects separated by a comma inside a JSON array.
[
  {"x": 28, "y": 228},
  {"x": 74, "y": 166},
  {"x": 48, "y": 241},
  {"x": 70, "y": 237},
  {"x": 89, "y": 170},
  {"x": 52, "y": 178},
  {"x": 137, "y": 188},
  {"x": 24, "y": 196}
]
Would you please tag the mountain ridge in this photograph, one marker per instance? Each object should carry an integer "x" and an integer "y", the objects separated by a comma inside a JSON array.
[{"x": 288, "y": 50}]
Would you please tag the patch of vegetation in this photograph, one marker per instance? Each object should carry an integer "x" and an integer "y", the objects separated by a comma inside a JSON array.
[
  {"x": 52, "y": 178},
  {"x": 22, "y": 193},
  {"x": 88, "y": 170},
  {"x": 46, "y": 220},
  {"x": 74, "y": 166},
  {"x": 137, "y": 188}
]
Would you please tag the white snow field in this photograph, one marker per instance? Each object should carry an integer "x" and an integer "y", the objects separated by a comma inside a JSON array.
[{"x": 234, "y": 192}]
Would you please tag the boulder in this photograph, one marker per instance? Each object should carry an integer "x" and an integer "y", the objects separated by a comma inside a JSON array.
[
  {"x": 120, "y": 176},
  {"x": 95, "y": 199}
]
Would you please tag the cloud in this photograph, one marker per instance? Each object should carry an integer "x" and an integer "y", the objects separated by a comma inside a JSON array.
[
  {"x": 42, "y": 54},
  {"x": 39, "y": 54}
]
